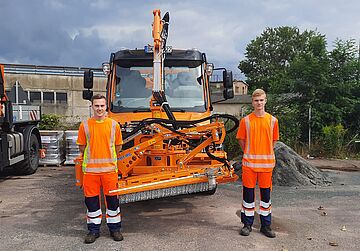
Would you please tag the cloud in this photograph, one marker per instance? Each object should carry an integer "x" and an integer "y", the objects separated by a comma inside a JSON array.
[{"x": 85, "y": 32}]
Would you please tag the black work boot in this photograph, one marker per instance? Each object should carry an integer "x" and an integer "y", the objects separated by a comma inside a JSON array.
[
  {"x": 91, "y": 237},
  {"x": 245, "y": 231},
  {"x": 117, "y": 236},
  {"x": 266, "y": 230}
]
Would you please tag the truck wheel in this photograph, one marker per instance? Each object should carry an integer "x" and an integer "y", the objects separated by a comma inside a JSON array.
[{"x": 31, "y": 162}]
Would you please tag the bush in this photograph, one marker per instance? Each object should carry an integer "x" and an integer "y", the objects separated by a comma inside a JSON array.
[
  {"x": 50, "y": 122},
  {"x": 231, "y": 145},
  {"x": 333, "y": 140},
  {"x": 59, "y": 122}
]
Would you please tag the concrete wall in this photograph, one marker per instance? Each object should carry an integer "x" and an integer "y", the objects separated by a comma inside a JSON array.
[
  {"x": 69, "y": 80},
  {"x": 232, "y": 109},
  {"x": 76, "y": 107}
]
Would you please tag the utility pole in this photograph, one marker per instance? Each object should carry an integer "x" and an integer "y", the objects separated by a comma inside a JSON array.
[
  {"x": 309, "y": 129},
  {"x": 358, "y": 68}
]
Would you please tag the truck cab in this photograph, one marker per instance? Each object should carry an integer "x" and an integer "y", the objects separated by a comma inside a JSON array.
[{"x": 185, "y": 83}]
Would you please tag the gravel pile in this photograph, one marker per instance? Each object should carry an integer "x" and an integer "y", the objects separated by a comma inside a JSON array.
[{"x": 293, "y": 170}]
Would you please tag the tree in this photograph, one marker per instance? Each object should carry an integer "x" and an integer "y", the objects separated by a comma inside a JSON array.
[
  {"x": 344, "y": 83},
  {"x": 269, "y": 56},
  {"x": 298, "y": 72},
  {"x": 290, "y": 63}
]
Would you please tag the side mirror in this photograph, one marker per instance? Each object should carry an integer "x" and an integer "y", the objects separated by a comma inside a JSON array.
[
  {"x": 227, "y": 79},
  {"x": 228, "y": 93},
  {"x": 87, "y": 94},
  {"x": 88, "y": 79}
]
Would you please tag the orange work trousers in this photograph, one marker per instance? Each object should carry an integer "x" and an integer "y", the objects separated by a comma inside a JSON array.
[
  {"x": 249, "y": 178},
  {"x": 93, "y": 182}
]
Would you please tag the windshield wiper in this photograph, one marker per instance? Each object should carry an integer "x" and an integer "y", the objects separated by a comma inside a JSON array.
[
  {"x": 177, "y": 110},
  {"x": 141, "y": 110}
]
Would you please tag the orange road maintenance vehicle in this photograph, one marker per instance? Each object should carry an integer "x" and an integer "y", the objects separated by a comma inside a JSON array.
[{"x": 161, "y": 98}]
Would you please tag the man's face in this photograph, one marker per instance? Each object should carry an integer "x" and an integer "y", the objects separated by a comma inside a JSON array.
[
  {"x": 259, "y": 102},
  {"x": 99, "y": 108}
]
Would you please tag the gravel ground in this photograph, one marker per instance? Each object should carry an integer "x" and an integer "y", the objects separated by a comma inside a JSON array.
[{"x": 45, "y": 211}]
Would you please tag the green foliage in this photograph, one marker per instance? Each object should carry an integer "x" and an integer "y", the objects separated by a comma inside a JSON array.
[
  {"x": 231, "y": 145},
  {"x": 298, "y": 72},
  {"x": 58, "y": 122},
  {"x": 333, "y": 139},
  {"x": 288, "y": 115},
  {"x": 50, "y": 122},
  {"x": 269, "y": 56}
]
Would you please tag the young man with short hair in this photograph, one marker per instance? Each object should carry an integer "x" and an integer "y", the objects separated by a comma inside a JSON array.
[
  {"x": 257, "y": 135},
  {"x": 100, "y": 141}
]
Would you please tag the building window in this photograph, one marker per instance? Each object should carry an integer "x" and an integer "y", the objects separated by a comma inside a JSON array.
[
  {"x": 61, "y": 98},
  {"x": 48, "y": 97},
  {"x": 35, "y": 97}
]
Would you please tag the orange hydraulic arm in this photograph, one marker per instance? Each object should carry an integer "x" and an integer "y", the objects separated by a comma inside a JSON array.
[
  {"x": 128, "y": 158},
  {"x": 157, "y": 50},
  {"x": 160, "y": 32}
]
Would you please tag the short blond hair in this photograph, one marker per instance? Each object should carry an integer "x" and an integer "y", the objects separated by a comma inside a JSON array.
[{"x": 258, "y": 92}]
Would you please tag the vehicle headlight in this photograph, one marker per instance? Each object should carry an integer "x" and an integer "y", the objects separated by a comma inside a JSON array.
[
  {"x": 106, "y": 68},
  {"x": 209, "y": 69}
]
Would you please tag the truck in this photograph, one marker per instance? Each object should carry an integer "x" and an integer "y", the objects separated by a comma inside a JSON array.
[
  {"x": 20, "y": 143},
  {"x": 160, "y": 96}
]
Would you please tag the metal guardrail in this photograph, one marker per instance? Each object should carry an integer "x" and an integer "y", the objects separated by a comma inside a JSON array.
[
  {"x": 50, "y": 70},
  {"x": 72, "y": 71}
]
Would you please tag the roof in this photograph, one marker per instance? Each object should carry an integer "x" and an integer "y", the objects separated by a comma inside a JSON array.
[{"x": 138, "y": 57}]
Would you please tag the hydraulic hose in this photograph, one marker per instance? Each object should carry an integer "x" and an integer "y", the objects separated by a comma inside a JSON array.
[{"x": 184, "y": 123}]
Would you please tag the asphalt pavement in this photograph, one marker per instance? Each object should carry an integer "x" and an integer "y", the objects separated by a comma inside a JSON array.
[{"x": 45, "y": 211}]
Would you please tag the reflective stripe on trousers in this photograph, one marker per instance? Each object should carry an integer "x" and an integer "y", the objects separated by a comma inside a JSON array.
[
  {"x": 94, "y": 213},
  {"x": 248, "y": 206},
  {"x": 113, "y": 216}
]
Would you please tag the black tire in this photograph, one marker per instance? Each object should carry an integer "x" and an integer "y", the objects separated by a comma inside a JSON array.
[{"x": 31, "y": 162}]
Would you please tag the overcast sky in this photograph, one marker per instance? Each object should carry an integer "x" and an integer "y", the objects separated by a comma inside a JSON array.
[{"x": 84, "y": 32}]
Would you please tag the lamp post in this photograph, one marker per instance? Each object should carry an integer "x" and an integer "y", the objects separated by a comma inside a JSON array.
[{"x": 309, "y": 128}]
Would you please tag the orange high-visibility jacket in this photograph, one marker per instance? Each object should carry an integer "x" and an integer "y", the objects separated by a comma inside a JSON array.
[
  {"x": 259, "y": 134},
  {"x": 100, "y": 138}
]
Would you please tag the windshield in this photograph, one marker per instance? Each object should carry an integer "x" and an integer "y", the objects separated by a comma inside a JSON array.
[{"x": 134, "y": 85}]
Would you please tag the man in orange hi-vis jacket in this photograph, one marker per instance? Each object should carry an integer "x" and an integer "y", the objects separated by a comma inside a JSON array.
[
  {"x": 100, "y": 140},
  {"x": 257, "y": 135}
]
